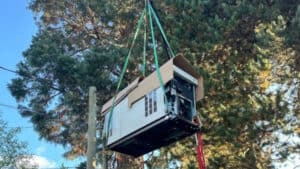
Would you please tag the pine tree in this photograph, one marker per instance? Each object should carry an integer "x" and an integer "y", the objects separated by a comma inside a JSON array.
[{"x": 238, "y": 46}]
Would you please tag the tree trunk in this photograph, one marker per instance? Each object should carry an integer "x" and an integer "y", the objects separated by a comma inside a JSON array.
[{"x": 128, "y": 162}]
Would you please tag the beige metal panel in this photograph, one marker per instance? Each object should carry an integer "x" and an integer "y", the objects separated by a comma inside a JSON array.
[
  {"x": 181, "y": 62},
  {"x": 151, "y": 82},
  {"x": 121, "y": 95},
  {"x": 184, "y": 64},
  {"x": 200, "y": 89},
  {"x": 139, "y": 89}
]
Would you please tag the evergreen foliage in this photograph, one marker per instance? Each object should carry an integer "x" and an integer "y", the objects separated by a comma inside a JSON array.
[{"x": 240, "y": 47}]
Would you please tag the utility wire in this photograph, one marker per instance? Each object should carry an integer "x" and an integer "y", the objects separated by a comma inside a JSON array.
[
  {"x": 22, "y": 127},
  {"x": 53, "y": 168},
  {"x": 29, "y": 76},
  {"x": 8, "y": 106},
  {"x": 8, "y": 70},
  {"x": 14, "y": 107}
]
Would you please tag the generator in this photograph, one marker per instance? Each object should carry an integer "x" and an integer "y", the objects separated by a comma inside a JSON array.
[{"x": 147, "y": 116}]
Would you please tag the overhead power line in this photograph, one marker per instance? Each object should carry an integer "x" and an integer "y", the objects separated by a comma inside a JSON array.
[
  {"x": 8, "y": 106},
  {"x": 22, "y": 127},
  {"x": 54, "y": 168},
  {"x": 8, "y": 70},
  {"x": 34, "y": 78}
]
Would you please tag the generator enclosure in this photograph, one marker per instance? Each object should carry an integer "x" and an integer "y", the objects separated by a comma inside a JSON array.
[{"x": 147, "y": 116}]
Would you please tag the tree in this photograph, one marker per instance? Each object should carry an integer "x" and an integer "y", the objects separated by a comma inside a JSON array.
[
  {"x": 240, "y": 47},
  {"x": 12, "y": 150}
]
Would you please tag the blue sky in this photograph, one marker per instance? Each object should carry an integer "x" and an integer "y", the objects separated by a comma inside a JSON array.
[{"x": 16, "y": 30}]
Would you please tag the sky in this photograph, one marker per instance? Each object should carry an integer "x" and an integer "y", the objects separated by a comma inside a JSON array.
[{"x": 16, "y": 31}]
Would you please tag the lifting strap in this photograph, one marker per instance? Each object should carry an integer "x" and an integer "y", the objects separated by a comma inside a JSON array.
[
  {"x": 123, "y": 72},
  {"x": 150, "y": 11},
  {"x": 165, "y": 39},
  {"x": 155, "y": 52},
  {"x": 147, "y": 10},
  {"x": 145, "y": 44},
  {"x": 199, "y": 151}
]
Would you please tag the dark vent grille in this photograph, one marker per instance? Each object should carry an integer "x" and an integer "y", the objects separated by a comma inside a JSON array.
[
  {"x": 150, "y": 103},
  {"x": 146, "y": 105}
]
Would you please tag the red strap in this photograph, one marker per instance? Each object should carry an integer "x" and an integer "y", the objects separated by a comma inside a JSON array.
[{"x": 199, "y": 150}]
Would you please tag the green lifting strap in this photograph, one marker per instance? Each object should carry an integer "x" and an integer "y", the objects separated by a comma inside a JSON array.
[
  {"x": 148, "y": 10},
  {"x": 124, "y": 70},
  {"x": 155, "y": 53},
  {"x": 145, "y": 47},
  {"x": 161, "y": 30}
]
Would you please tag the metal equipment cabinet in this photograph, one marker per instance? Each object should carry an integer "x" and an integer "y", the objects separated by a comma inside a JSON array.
[{"x": 147, "y": 117}]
